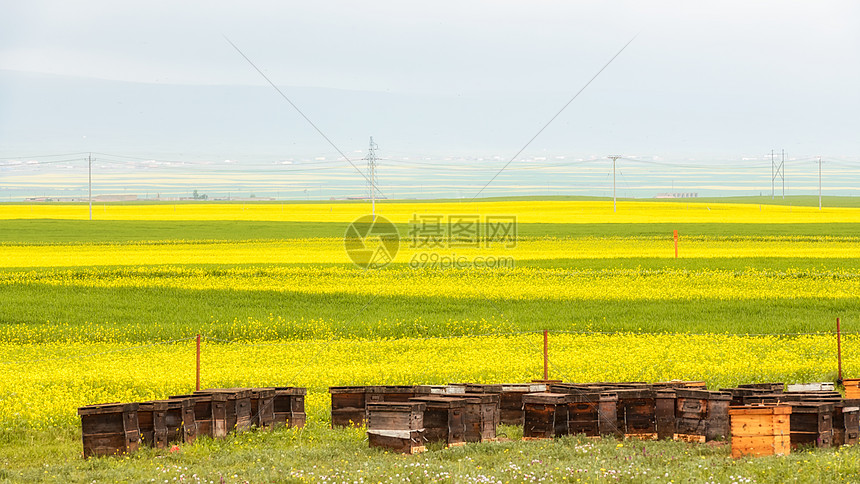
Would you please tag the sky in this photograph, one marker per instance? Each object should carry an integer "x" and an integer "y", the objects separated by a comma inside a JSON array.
[{"x": 460, "y": 83}]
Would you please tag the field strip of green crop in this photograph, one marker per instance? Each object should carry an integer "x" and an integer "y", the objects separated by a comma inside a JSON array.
[{"x": 39, "y": 231}]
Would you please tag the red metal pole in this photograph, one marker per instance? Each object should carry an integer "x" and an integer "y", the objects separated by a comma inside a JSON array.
[
  {"x": 198, "y": 362},
  {"x": 545, "y": 355},
  {"x": 839, "y": 352},
  {"x": 675, "y": 236}
]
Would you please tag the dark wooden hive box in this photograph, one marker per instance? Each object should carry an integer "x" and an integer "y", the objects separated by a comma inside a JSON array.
[
  {"x": 546, "y": 415},
  {"x": 263, "y": 407},
  {"x": 396, "y": 393},
  {"x": 701, "y": 415},
  {"x": 348, "y": 406},
  {"x": 740, "y": 394},
  {"x": 180, "y": 421},
  {"x": 289, "y": 406},
  {"x": 396, "y": 426},
  {"x": 481, "y": 415},
  {"x": 811, "y": 423},
  {"x": 444, "y": 419},
  {"x": 151, "y": 418},
  {"x": 846, "y": 422},
  {"x": 510, "y": 398},
  {"x": 679, "y": 384},
  {"x": 164, "y": 421},
  {"x": 637, "y": 412},
  {"x": 237, "y": 406},
  {"x": 109, "y": 429},
  {"x": 210, "y": 414}
]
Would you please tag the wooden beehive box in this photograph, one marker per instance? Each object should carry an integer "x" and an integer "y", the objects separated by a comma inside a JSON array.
[
  {"x": 481, "y": 415},
  {"x": 263, "y": 407},
  {"x": 109, "y": 429},
  {"x": 583, "y": 410},
  {"x": 210, "y": 414},
  {"x": 665, "y": 410},
  {"x": 289, "y": 406},
  {"x": 701, "y": 415},
  {"x": 846, "y": 423},
  {"x": 151, "y": 419},
  {"x": 510, "y": 398},
  {"x": 545, "y": 415},
  {"x": 811, "y": 424},
  {"x": 741, "y": 394},
  {"x": 164, "y": 421},
  {"x": 819, "y": 396},
  {"x": 591, "y": 410},
  {"x": 759, "y": 430},
  {"x": 447, "y": 389},
  {"x": 679, "y": 384},
  {"x": 396, "y": 426},
  {"x": 396, "y": 393},
  {"x": 444, "y": 419},
  {"x": 179, "y": 420},
  {"x": 237, "y": 408},
  {"x": 810, "y": 387},
  {"x": 637, "y": 413},
  {"x": 770, "y": 386},
  {"x": 546, "y": 383},
  {"x": 348, "y": 406},
  {"x": 852, "y": 388}
]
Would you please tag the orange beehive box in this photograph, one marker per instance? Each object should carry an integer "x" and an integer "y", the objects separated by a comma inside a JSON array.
[
  {"x": 852, "y": 388},
  {"x": 759, "y": 430}
]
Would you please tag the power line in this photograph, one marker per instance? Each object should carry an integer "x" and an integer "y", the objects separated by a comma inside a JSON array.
[
  {"x": 330, "y": 142},
  {"x": 553, "y": 118}
]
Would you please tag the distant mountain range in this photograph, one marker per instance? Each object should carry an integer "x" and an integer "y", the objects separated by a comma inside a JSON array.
[{"x": 45, "y": 113}]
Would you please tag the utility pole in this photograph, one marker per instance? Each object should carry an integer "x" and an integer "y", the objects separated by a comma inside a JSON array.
[
  {"x": 371, "y": 179},
  {"x": 819, "y": 183},
  {"x": 772, "y": 176},
  {"x": 782, "y": 167},
  {"x": 90, "y": 171},
  {"x": 777, "y": 171},
  {"x": 614, "y": 201}
]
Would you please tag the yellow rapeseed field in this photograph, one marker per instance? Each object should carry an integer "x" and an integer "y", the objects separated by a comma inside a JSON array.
[
  {"x": 44, "y": 384},
  {"x": 510, "y": 284},
  {"x": 568, "y": 212},
  {"x": 331, "y": 250}
]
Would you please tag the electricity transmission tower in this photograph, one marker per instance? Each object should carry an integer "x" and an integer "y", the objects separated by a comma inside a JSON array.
[
  {"x": 613, "y": 158},
  {"x": 90, "y": 182},
  {"x": 819, "y": 183},
  {"x": 371, "y": 176},
  {"x": 777, "y": 171}
]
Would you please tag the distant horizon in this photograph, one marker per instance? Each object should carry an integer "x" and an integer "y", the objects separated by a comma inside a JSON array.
[{"x": 692, "y": 97}]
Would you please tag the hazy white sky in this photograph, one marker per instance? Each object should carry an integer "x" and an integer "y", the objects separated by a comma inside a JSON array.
[
  {"x": 701, "y": 81},
  {"x": 739, "y": 48}
]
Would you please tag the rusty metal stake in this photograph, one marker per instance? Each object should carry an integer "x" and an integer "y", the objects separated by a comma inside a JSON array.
[
  {"x": 839, "y": 352},
  {"x": 198, "y": 362},
  {"x": 675, "y": 236},
  {"x": 545, "y": 355}
]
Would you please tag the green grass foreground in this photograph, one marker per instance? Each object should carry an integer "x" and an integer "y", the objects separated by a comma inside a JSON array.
[{"x": 320, "y": 454}]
